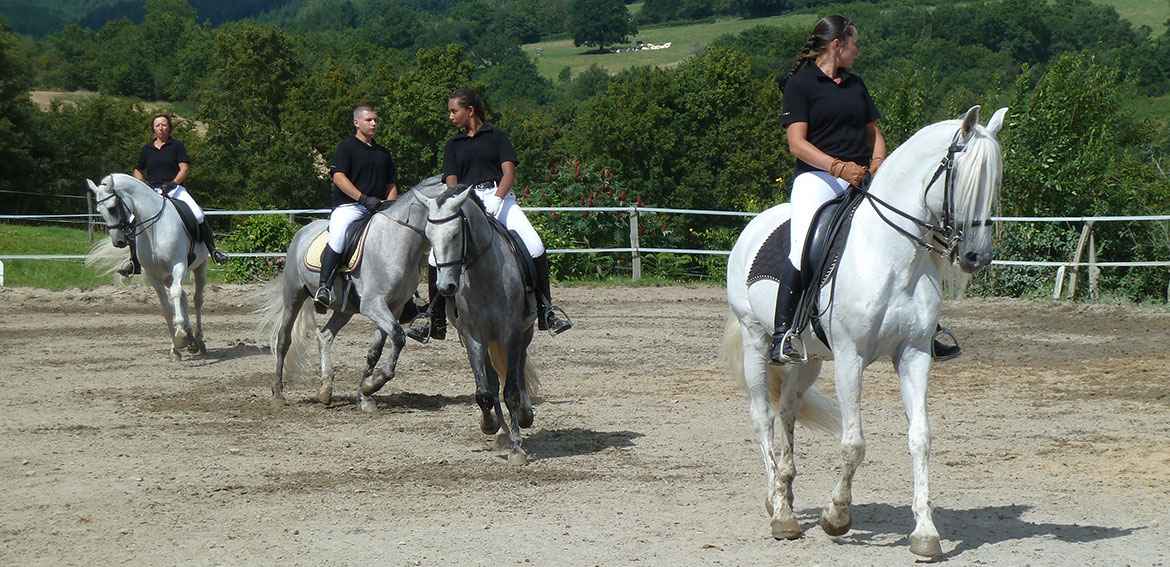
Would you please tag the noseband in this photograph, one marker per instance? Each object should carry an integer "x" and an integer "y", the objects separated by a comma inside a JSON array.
[
  {"x": 945, "y": 236},
  {"x": 129, "y": 225},
  {"x": 466, "y": 241}
]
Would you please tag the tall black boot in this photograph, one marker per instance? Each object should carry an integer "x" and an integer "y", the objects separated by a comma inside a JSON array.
[
  {"x": 549, "y": 317},
  {"x": 131, "y": 266},
  {"x": 329, "y": 261},
  {"x": 787, "y": 296},
  {"x": 208, "y": 239},
  {"x": 432, "y": 322}
]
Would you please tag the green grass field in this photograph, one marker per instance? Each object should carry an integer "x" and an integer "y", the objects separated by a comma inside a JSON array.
[
  {"x": 54, "y": 274},
  {"x": 686, "y": 40},
  {"x": 1152, "y": 13}
]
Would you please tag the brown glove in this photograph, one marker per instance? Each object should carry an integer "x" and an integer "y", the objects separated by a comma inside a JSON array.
[
  {"x": 875, "y": 163},
  {"x": 848, "y": 171}
]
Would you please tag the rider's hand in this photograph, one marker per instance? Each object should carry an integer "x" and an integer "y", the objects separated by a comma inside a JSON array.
[
  {"x": 492, "y": 203},
  {"x": 851, "y": 172},
  {"x": 370, "y": 202},
  {"x": 875, "y": 163},
  {"x": 167, "y": 187}
]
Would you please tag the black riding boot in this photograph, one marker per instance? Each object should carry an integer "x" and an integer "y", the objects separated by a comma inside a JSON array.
[
  {"x": 329, "y": 261},
  {"x": 131, "y": 266},
  {"x": 208, "y": 239},
  {"x": 549, "y": 317},
  {"x": 941, "y": 350},
  {"x": 433, "y": 321},
  {"x": 787, "y": 296}
]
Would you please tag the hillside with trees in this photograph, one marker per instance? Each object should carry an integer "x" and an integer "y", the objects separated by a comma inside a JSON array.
[{"x": 271, "y": 93}]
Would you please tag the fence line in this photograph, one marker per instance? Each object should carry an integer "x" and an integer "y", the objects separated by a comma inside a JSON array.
[{"x": 635, "y": 249}]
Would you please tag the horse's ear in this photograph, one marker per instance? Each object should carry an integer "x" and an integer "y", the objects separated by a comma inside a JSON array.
[
  {"x": 970, "y": 119},
  {"x": 93, "y": 188},
  {"x": 996, "y": 123}
]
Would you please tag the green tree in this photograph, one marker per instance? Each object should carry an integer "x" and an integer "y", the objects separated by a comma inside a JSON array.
[
  {"x": 760, "y": 8},
  {"x": 600, "y": 22},
  {"x": 16, "y": 114}
]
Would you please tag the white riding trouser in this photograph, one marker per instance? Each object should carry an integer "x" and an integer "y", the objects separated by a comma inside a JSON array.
[
  {"x": 340, "y": 219},
  {"x": 180, "y": 193},
  {"x": 810, "y": 190},
  {"x": 513, "y": 218}
]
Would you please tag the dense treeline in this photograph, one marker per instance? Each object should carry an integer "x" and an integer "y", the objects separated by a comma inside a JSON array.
[{"x": 264, "y": 102}]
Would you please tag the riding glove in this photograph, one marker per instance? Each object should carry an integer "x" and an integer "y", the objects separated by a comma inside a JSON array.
[
  {"x": 371, "y": 202},
  {"x": 849, "y": 171}
]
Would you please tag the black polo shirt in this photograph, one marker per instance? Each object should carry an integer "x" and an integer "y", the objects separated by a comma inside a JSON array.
[
  {"x": 368, "y": 166},
  {"x": 477, "y": 159},
  {"x": 161, "y": 165},
  {"x": 836, "y": 113}
]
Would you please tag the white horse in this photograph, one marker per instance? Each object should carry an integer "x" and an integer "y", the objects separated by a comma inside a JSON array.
[
  {"x": 132, "y": 210},
  {"x": 919, "y": 228}
]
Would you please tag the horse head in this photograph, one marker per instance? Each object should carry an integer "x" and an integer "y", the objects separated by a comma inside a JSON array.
[
  {"x": 447, "y": 231},
  {"x": 118, "y": 217},
  {"x": 965, "y": 186}
]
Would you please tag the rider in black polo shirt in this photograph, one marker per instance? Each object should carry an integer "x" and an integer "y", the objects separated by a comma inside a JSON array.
[
  {"x": 363, "y": 175},
  {"x": 483, "y": 157},
  {"x": 832, "y": 130},
  {"x": 164, "y": 165}
]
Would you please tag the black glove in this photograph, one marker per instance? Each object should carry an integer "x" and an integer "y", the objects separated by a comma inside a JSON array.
[
  {"x": 370, "y": 202},
  {"x": 167, "y": 187}
]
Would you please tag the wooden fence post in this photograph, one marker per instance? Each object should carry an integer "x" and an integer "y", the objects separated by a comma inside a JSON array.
[
  {"x": 89, "y": 219},
  {"x": 636, "y": 258},
  {"x": 1076, "y": 259},
  {"x": 1094, "y": 271},
  {"x": 1056, "y": 287}
]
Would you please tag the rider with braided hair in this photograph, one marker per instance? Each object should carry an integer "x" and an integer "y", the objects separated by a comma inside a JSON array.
[{"x": 832, "y": 130}]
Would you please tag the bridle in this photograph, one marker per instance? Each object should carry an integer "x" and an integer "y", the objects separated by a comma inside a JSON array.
[
  {"x": 944, "y": 238},
  {"x": 129, "y": 225},
  {"x": 467, "y": 241}
]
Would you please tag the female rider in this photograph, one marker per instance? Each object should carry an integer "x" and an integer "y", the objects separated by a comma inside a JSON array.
[{"x": 832, "y": 130}]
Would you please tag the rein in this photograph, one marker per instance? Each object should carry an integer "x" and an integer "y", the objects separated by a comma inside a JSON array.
[
  {"x": 129, "y": 225},
  {"x": 945, "y": 237}
]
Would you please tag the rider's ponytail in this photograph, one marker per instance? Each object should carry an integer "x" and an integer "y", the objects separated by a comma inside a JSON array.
[{"x": 827, "y": 29}]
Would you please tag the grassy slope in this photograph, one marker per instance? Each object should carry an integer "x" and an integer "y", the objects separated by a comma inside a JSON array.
[
  {"x": 1152, "y": 13},
  {"x": 685, "y": 40}
]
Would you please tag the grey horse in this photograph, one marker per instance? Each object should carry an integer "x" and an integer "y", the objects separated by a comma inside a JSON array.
[
  {"x": 134, "y": 211},
  {"x": 385, "y": 281},
  {"x": 491, "y": 309}
]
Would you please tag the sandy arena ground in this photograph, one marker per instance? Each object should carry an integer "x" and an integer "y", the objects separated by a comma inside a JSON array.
[{"x": 1051, "y": 445}]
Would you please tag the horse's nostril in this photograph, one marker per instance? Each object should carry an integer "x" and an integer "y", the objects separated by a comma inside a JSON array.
[{"x": 972, "y": 257}]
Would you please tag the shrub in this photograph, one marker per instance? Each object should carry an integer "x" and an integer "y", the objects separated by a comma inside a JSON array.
[{"x": 262, "y": 233}]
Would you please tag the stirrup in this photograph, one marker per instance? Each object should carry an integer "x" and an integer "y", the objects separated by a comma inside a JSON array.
[
  {"x": 793, "y": 341},
  {"x": 420, "y": 332},
  {"x": 940, "y": 350},
  {"x": 127, "y": 269},
  {"x": 324, "y": 297},
  {"x": 552, "y": 314}
]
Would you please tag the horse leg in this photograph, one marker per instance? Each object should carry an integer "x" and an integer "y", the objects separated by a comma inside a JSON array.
[
  {"x": 914, "y": 371},
  {"x": 513, "y": 397},
  {"x": 487, "y": 385},
  {"x": 198, "y": 346},
  {"x": 325, "y": 343},
  {"x": 527, "y": 412},
  {"x": 168, "y": 316},
  {"x": 178, "y": 298},
  {"x": 835, "y": 519},
  {"x": 378, "y": 311},
  {"x": 758, "y": 382},
  {"x": 292, "y": 309}
]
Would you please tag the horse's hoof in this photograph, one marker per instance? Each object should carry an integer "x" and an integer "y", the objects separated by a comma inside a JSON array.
[
  {"x": 368, "y": 405},
  {"x": 785, "y": 529},
  {"x": 835, "y": 529},
  {"x": 176, "y": 356},
  {"x": 502, "y": 441},
  {"x": 925, "y": 546},
  {"x": 488, "y": 424},
  {"x": 325, "y": 394},
  {"x": 518, "y": 458},
  {"x": 196, "y": 346},
  {"x": 278, "y": 402}
]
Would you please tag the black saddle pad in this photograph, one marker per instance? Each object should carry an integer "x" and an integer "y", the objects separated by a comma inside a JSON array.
[{"x": 189, "y": 225}]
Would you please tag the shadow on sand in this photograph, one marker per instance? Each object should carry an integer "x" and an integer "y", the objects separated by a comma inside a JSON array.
[
  {"x": 398, "y": 401},
  {"x": 553, "y": 443},
  {"x": 972, "y": 528}
]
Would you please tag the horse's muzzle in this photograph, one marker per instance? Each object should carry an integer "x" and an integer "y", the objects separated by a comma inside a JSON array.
[{"x": 972, "y": 262}]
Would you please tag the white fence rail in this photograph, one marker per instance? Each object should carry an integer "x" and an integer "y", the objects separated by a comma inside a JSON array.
[{"x": 1086, "y": 244}]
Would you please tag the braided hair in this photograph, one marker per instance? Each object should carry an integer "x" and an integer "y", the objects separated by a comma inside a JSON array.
[
  {"x": 827, "y": 29},
  {"x": 469, "y": 98}
]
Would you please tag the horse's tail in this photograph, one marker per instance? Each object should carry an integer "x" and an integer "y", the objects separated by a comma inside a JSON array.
[
  {"x": 271, "y": 308},
  {"x": 104, "y": 258},
  {"x": 531, "y": 380},
  {"x": 816, "y": 410}
]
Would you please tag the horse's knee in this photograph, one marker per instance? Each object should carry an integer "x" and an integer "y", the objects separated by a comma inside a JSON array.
[{"x": 853, "y": 451}]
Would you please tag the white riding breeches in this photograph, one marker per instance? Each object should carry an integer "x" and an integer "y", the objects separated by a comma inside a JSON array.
[
  {"x": 513, "y": 218},
  {"x": 339, "y": 220},
  {"x": 810, "y": 190},
  {"x": 180, "y": 193}
]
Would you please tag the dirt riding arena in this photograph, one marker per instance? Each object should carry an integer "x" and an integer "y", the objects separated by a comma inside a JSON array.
[{"x": 1051, "y": 445}]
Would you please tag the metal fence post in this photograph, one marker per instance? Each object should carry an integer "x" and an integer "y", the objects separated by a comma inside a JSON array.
[
  {"x": 1, "y": 273},
  {"x": 1094, "y": 271},
  {"x": 636, "y": 258},
  {"x": 89, "y": 219}
]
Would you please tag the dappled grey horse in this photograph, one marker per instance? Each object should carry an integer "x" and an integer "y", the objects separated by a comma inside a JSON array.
[
  {"x": 491, "y": 308},
  {"x": 385, "y": 281},
  {"x": 132, "y": 210}
]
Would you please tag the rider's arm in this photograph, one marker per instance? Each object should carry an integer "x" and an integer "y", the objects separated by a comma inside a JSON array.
[
  {"x": 874, "y": 136},
  {"x": 342, "y": 182},
  {"x": 508, "y": 179},
  {"x": 803, "y": 150},
  {"x": 139, "y": 175},
  {"x": 451, "y": 180},
  {"x": 184, "y": 168},
  {"x": 391, "y": 191}
]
